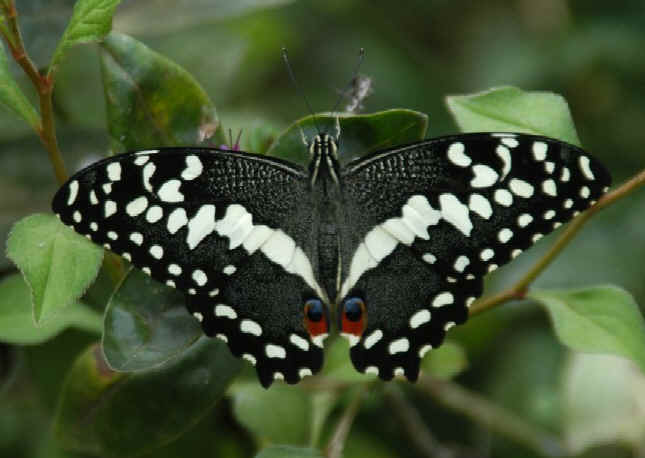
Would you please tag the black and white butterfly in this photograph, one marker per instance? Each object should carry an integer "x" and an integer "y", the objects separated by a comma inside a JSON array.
[{"x": 394, "y": 244}]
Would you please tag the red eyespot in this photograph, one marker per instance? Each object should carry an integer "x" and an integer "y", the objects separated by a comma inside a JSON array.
[
  {"x": 316, "y": 318},
  {"x": 353, "y": 316}
]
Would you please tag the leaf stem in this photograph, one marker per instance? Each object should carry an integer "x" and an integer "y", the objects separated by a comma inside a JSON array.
[
  {"x": 337, "y": 442},
  {"x": 492, "y": 416},
  {"x": 44, "y": 86},
  {"x": 518, "y": 290}
]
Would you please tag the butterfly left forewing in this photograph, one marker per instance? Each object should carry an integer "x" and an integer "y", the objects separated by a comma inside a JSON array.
[
  {"x": 229, "y": 229},
  {"x": 424, "y": 223}
]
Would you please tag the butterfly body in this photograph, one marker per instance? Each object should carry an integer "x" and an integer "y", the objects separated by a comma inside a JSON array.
[{"x": 394, "y": 245}]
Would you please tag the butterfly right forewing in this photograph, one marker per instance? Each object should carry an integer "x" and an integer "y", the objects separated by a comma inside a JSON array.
[{"x": 424, "y": 223}]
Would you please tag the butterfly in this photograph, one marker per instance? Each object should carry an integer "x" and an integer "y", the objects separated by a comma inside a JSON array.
[{"x": 390, "y": 248}]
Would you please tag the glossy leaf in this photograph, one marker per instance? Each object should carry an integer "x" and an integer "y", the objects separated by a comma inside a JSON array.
[
  {"x": 600, "y": 319},
  {"x": 90, "y": 21},
  {"x": 445, "y": 362},
  {"x": 146, "y": 324},
  {"x": 281, "y": 414},
  {"x": 117, "y": 414},
  {"x": 58, "y": 264},
  {"x": 12, "y": 96},
  {"x": 360, "y": 134},
  {"x": 603, "y": 402},
  {"x": 509, "y": 109},
  {"x": 17, "y": 322},
  {"x": 151, "y": 101},
  {"x": 288, "y": 451}
]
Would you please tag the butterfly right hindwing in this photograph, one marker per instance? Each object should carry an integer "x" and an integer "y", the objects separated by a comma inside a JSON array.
[
  {"x": 425, "y": 222},
  {"x": 233, "y": 231}
]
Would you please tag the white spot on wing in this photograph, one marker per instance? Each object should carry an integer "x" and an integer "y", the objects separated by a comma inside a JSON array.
[
  {"x": 299, "y": 342},
  {"x": 200, "y": 278},
  {"x": 379, "y": 243},
  {"x": 137, "y": 206},
  {"x": 521, "y": 188},
  {"x": 73, "y": 192},
  {"x": 480, "y": 205},
  {"x": 524, "y": 220},
  {"x": 461, "y": 263},
  {"x": 423, "y": 350},
  {"x": 420, "y": 318},
  {"x": 372, "y": 339},
  {"x": 114, "y": 171},
  {"x": 441, "y": 299},
  {"x": 136, "y": 238},
  {"x": 93, "y": 199},
  {"x": 201, "y": 225},
  {"x": 169, "y": 192},
  {"x": 141, "y": 160},
  {"x": 77, "y": 216},
  {"x": 510, "y": 142},
  {"x": 176, "y": 220},
  {"x": 429, "y": 258},
  {"x": 275, "y": 351},
  {"x": 484, "y": 176},
  {"x": 223, "y": 310},
  {"x": 110, "y": 208},
  {"x": 229, "y": 270},
  {"x": 399, "y": 346},
  {"x": 148, "y": 171},
  {"x": 174, "y": 269},
  {"x": 279, "y": 248},
  {"x": 504, "y": 153},
  {"x": 504, "y": 197},
  {"x": 154, "y": 214},
  {"x": 237, "y": 224},
  {"x": 539, "y": 150},
  {"x": 456, "y": 155},
  {"x": 455, "y": 213},
  {"x": 504, "y": 235},
  {"x": 583, "y": 161},
  {"x": 549, "y": 188},
  {"x": 250, "y": 327},
  {"x": 193, "y": 168},
  {"x": 486, "y": 254},
  {"x": 156, "y": 251}
]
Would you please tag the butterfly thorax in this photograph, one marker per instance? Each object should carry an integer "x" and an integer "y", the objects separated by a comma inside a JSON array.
[{"x": 324, "y": 179}]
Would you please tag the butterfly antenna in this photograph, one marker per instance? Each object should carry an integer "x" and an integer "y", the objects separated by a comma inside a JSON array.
[
  {"x": 285, "y": 57},
  {"x": 361, "y": 55}
]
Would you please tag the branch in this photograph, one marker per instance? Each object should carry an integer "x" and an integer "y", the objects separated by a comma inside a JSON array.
[
  {"x": 337, "y": 442},
  {"x": 492, "y": 416},
  {"x": 418, "y": 433},
  {"x": 518, "y": 290},
  {"x": 44, "y": 86}
]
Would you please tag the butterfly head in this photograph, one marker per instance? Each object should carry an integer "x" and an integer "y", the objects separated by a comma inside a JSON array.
[
  {"x": 352, "y": 318},
  {"x": 316, "y": 320},
  {"x": 323, "y": 150}
]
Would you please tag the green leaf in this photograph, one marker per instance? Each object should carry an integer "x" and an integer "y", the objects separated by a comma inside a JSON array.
[
  {"x": 58, "y": 264},
  {"x": 16, "y": 318},
  {"x": 338, "y": 366},
  {"x": 116, "y": 414},
  {"x": 13, "y": 97},
  {"x": 445, "y": 362},
  {"x": 603, "y": 402},
  {"x": 91, "y": 21},
  {"x": 289, "y": 421},
  {"x": 151, "y": 101},
  {"x": 600, "y": 319},
  {"x": 509, "y": 109},
  {"x": 146, "y": 324},
  {"x": 360, "y": 134},
  {"x": 287, "y": 451}
]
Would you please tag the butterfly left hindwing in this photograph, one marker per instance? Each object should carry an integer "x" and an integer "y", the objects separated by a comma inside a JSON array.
[
  {"x": 233, "y": 231},
  {"x": 425, "y": 222}
]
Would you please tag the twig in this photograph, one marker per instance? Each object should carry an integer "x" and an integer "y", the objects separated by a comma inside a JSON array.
[
  {"x": 414, "y": 426},
  {"x": 337, "y": 442},
  {"x": 518, "y": 290},
  {"x": 492, "y": 416},
  {"x": 44, "y": 86}
]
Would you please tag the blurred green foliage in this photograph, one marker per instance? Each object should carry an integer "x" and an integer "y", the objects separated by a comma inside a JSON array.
[{"x": 417, "y": 53}]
